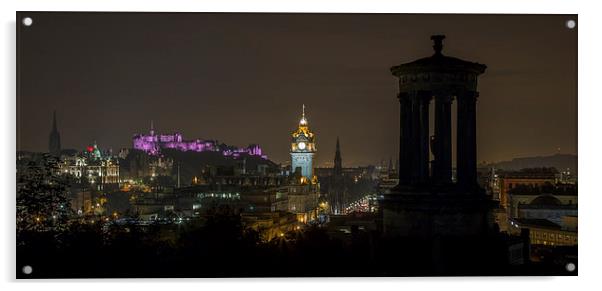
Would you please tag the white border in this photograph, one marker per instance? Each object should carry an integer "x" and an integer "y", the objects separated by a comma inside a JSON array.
[{"x": 589, "y": 139}]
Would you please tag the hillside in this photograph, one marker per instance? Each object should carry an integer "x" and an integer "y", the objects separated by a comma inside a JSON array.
[{"x": 558, "y": 161}]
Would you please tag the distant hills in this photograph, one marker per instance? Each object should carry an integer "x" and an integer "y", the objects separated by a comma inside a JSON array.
[{"x": 559, "y": 161}]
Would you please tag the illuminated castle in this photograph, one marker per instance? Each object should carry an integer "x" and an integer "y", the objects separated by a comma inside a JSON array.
[
  {"x": 153, "y": 143},
  {"x": 303, "y": 148}
]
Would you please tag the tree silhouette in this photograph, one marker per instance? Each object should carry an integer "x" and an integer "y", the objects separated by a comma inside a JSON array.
[{"x": 42, "y": 197}]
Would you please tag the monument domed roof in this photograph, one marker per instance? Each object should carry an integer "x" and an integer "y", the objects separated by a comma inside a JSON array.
[{"x": 438, "y": 63}]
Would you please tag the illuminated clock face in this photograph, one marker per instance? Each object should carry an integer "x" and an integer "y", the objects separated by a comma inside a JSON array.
[{"x": 301, "y": 145}]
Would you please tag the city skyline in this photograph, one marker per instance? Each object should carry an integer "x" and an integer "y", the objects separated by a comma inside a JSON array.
[
  {"x": 211, "y": 109},
  {"x": 350, "y": 94}
]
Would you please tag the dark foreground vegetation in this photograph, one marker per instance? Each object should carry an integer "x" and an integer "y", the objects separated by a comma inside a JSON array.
[{"x": 222, "y": 248}]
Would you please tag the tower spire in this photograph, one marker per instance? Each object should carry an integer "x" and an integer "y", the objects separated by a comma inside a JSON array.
[
  {"x": 152, "y": 128},
  {"x": 303, "y": 119},
  {"x": 54, "y": 128},
  {"x": 54, "y": 140},
  {"x": 338, "y": 161},
  {"x": 338, "y": 153}
]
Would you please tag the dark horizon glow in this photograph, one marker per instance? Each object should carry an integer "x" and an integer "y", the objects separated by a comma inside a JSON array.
[{"x": 242, "y": 79}]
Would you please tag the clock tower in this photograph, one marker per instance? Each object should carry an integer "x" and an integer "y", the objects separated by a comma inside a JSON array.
[{"x": 303, "y": 148}]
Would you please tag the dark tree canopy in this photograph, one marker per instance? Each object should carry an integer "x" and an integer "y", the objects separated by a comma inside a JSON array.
[{"x": 42, "y": 196}]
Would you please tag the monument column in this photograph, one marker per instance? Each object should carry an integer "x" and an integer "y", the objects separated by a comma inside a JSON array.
[
  {"x": 443, "y": 139},
  {"x": 414, "y": 138},
  {"x": 467, "y": 141},
  {"x": 405, "y": 111},
  {"x": 424, "y": 100}
]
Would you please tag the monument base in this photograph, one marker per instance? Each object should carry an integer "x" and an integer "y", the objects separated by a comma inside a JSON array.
[{"x": 430, "y": 212}]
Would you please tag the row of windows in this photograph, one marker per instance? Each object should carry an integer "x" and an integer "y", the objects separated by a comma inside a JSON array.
[
  {"x": 553, "y": 239},
  {"x": 533, "y": 184},
  {"x": 553, "y": 236}
]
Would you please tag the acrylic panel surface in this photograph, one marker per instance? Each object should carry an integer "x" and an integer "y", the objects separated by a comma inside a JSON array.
[{"x": 282, "y": 144}]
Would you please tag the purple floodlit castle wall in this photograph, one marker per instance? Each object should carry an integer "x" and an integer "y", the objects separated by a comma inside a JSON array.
[{"x": 153, "y": 143}]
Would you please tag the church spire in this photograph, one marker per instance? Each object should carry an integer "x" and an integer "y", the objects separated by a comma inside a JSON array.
[
  {"x": 54, "y": 140},
  {"x": 338, "y": 161},
  {"x": 54, "y": 128}
]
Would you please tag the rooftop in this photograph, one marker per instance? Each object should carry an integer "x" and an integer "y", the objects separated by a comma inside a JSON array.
[{"x": 536, "y": 222}]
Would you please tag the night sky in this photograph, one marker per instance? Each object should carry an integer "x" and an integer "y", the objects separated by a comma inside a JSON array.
[{"x": 242, "y": 78}]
